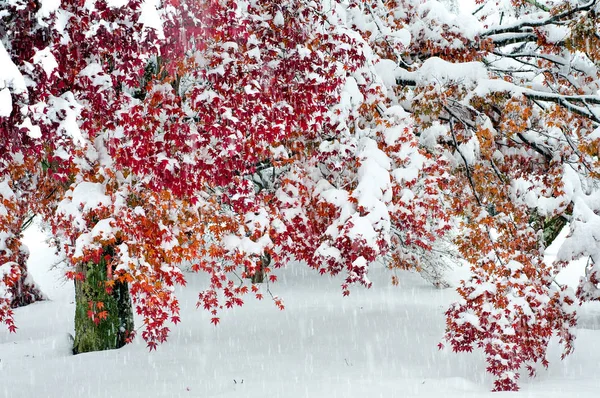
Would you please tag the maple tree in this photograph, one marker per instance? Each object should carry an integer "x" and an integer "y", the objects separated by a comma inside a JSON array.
[
  {"x": 61, "y": 109},
  {"x": 132, "y": 185},
  {"x": 237, "y": 136}
]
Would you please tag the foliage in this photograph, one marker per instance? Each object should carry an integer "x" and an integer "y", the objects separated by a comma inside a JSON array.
[{"x": 237, "y": 136}]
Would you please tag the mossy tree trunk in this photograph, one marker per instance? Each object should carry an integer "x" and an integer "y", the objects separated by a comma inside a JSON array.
[
  {"x": 552, "y": 228},
  {"x": 103, "y": 313}
]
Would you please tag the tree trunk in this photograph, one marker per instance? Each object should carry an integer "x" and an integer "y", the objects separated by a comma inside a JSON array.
[
  {"x": 25, "y": 291},
  {"x": 259, "y": 275},
  {"x": 552, "y": 228},
  {"x": 103, "y": 314}
]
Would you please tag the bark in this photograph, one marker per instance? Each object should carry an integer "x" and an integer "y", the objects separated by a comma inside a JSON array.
[
  {"x": 259, "y": 274},
  {"x": 552, "y": 228},
  {"x": 94, "y": 332}
]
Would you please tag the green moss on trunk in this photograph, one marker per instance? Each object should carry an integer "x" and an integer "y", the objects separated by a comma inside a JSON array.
[
  {"x": 552, "y": 228},
  {"x": 103, "y": 318}
]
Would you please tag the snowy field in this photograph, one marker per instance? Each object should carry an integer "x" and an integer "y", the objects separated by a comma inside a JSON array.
[{"x": 380, "y": 342}]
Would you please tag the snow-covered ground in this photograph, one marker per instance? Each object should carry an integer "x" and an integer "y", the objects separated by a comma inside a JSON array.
[{"x": 380, "y": 342}]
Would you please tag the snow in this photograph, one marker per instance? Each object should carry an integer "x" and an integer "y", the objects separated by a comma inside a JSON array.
[
  {"x": 68, "y": 124},
  {"x": 84, "y": 197},
  {"x": 46, "y": 9},
  {"x": 378, "y": 342},
  {"x": 278, "y": 19},
  {"x": 5, "y": 190},
  {"x": 5, "y": 102},
  {"x": 10, "y": 77},
  {"x": 95, "y": 73},
  {"x": 32, "y": 130},
  {"x": 362, "y": 228},
  {"x": 429, "y": 136},
  {"x": 403, "y": 36},
  {"x": 103, "y": 230},
  {"x": 468, "y": 317},
  {"x": 555, "y": 33},
  {"x": 434, "y": 14},
  {"x": 117, "y": 3},
  {"x": 150, "y": 17},
  {"x": 585, "y": 234},
  {"x": 482, "y": 288},
  {"x": 91, "y": 195},
  {"x": 388, "y": 70},
  {"x": 351, "y": 94},
  {"x": 247, "y": 245},
  {"x": 46, "y": 60},
  {"x": 436, "y": 70},
  {"x": 410, "y": 171}
]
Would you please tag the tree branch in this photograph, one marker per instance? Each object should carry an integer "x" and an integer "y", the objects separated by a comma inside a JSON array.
[{"x": 517, "y": 28}]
